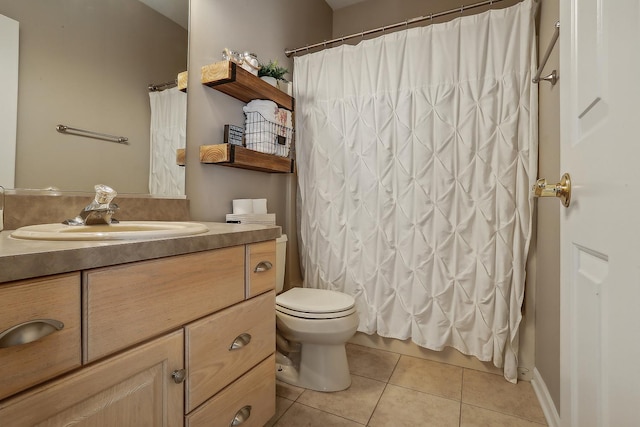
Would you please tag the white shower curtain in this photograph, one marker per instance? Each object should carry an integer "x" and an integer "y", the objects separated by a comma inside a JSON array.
[
  {"x": 168, "y": 133},
  {"x": 416, "y": 153}
]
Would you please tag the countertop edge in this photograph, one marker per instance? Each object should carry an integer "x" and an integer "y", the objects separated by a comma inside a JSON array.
[{"x": 51, "y": 258}]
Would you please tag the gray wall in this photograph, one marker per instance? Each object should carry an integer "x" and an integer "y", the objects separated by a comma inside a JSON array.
[
  {"x": 265, "y": 28},
  {"x": 87, "y": 64},
  {"x": 377, "y": 13},
  {"x": 548, "y": 244}
]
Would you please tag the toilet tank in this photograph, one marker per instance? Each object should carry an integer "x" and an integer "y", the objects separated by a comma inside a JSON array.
[{"x": 281, "y": 260}]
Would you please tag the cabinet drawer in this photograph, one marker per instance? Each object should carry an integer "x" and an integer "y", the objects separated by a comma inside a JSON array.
[
  {"x": 212, "y": 363},
  {"x": 261, "y": 267},
  {"x": 127, "y": 304},
  {"x": 56, "y": 298},
  {"x": 256, "y": 390}
]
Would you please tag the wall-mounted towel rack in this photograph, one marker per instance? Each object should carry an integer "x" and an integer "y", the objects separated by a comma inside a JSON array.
[
  {"x": 90, "y": 134},
  {"x": 553, "y": 77}
]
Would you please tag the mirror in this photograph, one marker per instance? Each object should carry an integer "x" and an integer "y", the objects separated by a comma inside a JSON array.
[{"x": 87, "y": 64}]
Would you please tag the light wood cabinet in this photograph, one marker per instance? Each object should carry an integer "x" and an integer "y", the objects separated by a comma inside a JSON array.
[
  {"x": 246, "y": 398},
  {"x": 54, "y": 298},
  {"x": 223, "y": 346},
  {"x": 133, "y": 302},
  {"x": 261, "y": 267},
  {"x": 155, "y": 334},
  {"x": 130, "y": 390}
]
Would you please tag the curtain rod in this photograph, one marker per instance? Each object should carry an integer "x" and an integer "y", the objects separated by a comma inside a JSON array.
[
  {"x": 161, "y": 86},
  {"x": 460, "y": 9}
]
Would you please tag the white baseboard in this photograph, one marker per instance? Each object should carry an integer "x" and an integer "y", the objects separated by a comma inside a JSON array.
[{"x": 548, "y": 407}]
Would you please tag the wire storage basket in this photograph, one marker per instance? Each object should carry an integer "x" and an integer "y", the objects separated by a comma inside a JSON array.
[{"x": 266, "y": 136}]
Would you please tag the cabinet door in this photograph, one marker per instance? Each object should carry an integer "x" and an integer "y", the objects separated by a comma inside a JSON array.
[{"x": 131, "y": 389}]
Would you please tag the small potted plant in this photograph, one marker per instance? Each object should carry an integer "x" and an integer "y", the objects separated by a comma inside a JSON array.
[{"x": 272, "y": 72}]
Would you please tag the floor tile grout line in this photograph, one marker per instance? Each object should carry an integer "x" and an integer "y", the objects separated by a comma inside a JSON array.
[
  {"x": 330, "y": 413},
  {"x": 503, "y": 413},
  {"x": 376, "y": 405},
  {"x": 285, "y": 411},
  {"x": 460, "y": 407}
]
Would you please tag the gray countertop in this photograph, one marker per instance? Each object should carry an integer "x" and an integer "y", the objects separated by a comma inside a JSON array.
[{"x": 24, "y": 259}]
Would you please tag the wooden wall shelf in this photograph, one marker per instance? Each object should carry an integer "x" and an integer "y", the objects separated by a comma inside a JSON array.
[
  {"x": 182, "y": 81},
  {"x": 239, "y": 157},
  {"x": 181, "y": 156},
  {"x": 237, "y": 82}
]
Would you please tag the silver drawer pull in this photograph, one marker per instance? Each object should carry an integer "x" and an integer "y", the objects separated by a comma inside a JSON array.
[
  {"x": 263, "y": 266},
  {"x": 240, "y": 341},
  {"x": 241, "y": 416},
  {"x": 30, "y": 331},
  {"x": 179, "y": 375}
]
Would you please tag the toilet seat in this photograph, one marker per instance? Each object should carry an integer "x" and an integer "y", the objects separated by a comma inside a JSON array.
[{"x": 312, "y": 303}]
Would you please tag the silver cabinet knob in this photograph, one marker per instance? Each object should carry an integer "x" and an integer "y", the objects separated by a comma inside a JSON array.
[{"x": 179, "y": 375}]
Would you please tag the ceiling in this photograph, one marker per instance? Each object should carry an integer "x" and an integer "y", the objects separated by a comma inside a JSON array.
[
  {"x": 339, "y": 4},
  {"x": 176, "y": 10}
]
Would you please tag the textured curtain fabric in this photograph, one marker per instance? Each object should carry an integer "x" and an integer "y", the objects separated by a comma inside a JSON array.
[
  {"x": 416, "y": 153},
  {"x": 168, "y": 133}
]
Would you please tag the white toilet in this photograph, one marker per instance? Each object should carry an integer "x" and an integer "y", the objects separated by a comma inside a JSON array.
[{"x": 313, "y": 326}]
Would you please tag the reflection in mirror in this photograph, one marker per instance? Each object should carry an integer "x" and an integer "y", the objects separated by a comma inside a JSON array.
[{"x": 88, "y": 64}]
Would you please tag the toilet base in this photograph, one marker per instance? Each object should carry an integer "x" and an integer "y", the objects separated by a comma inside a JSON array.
[{"x": 321, "y": 368}]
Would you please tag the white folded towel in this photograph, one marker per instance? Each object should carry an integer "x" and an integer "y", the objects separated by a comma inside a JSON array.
[
  {"x": 268, "y": 109},
  {"x": 258, "y": 134}
]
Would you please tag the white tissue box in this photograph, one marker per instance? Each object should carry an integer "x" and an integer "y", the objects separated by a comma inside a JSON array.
[
  {"x": 264, "y": 219},
  {"x": 285, "y": 86}
]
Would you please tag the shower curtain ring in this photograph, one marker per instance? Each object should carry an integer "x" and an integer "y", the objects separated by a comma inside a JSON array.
[{"x": 461, "y": 8}]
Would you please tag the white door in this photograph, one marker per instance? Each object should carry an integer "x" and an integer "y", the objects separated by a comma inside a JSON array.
[{"x": 600, "y": 283}]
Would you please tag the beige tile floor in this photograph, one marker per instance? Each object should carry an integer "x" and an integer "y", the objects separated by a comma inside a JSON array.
[{"x": 389, "y": 389}]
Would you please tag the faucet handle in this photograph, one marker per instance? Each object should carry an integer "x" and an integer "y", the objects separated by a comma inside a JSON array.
[{"x": 104, "y": 194}]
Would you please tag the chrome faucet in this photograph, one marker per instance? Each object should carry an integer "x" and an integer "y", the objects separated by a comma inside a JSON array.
[{"x": 99, "y": 211}]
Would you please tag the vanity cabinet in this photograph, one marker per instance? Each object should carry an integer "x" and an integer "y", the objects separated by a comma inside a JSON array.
[{"x": 179, "y": 340}]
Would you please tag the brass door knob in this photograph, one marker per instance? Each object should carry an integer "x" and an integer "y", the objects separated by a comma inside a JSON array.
[{"x": 561, "y": 190}]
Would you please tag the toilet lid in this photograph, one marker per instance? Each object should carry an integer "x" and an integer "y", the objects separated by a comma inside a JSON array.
[{"x": 308, "y": 300}]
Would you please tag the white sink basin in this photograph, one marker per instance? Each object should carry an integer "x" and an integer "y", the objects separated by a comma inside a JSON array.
[{"x": 124, "y": 230}]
